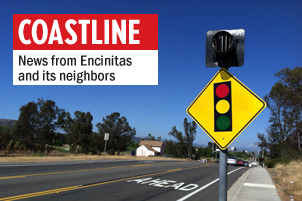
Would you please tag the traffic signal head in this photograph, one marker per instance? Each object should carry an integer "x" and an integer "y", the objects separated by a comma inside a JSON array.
[
  {"x": 225, "y": 48},
  {"x": 222, "y": 107}
]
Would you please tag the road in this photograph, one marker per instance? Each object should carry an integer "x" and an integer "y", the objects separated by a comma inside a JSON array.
[{"x": 113, "y": 180}]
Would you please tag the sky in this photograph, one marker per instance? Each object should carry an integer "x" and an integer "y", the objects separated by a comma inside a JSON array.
[{"x": 272, "y": 42}]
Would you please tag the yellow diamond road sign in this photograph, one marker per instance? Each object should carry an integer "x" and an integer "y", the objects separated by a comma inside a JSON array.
[{"x": 224, "y": 108}]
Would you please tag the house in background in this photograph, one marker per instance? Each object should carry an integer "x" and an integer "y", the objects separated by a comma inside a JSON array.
[{"x": 150, "y": 148}]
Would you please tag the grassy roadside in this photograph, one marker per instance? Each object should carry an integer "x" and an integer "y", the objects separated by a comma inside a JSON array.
[
  {"x": 27, "y": 157},
  {"x": 288, "y": 180}
]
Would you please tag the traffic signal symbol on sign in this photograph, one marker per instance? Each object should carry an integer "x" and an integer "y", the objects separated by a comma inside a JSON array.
[{"x": 223, "y": 107}]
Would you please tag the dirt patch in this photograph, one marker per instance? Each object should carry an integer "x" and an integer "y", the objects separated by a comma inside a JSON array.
[{"x": 288, "y": 180}]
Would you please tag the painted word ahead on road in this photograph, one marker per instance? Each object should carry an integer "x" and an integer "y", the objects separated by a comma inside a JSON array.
[
  {"x": 165, "y": 184},
  {"x": 85, "y": 49}
]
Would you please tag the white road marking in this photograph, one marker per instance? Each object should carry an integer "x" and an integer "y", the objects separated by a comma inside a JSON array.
[
  {"x": 259, "y": 185},
  {"x": 165, "y": 184},
  {"x": 205, "y": 186}
]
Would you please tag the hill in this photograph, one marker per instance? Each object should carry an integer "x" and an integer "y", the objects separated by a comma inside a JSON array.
[
  {"x": 8, "y": 122},
  {"x": 137, "y": 139}
]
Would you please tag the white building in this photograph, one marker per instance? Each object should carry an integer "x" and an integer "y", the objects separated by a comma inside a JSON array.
[{"x": 150, "y": 148}]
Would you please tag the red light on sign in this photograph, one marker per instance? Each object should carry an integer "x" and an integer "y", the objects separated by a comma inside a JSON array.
[{"x": 222, "y": 90}]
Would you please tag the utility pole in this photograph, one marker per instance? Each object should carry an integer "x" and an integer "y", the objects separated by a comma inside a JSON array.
[
  {"x": 257, "y": 143},
  {"x": 258, "y": 151},
  {"x": 212, "y": 150}
]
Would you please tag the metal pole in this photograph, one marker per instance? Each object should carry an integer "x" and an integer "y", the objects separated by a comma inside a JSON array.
[
  {"x": 258, "y": 151},
  {"x": 212, "y": 151},
  {"x": 188, "y": 152},
  {"x": 222, "y": 175},
  {"x": 262, "y": 151},
  {"x": 105, "y": 149}
]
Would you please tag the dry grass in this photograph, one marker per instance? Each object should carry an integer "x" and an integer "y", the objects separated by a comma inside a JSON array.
[
  {"x": 26, "y": 157},
  {"x": 288, "y": 180}
]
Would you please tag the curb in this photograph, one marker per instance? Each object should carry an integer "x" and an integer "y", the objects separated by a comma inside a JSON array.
[{"x": 236, "y": 188}]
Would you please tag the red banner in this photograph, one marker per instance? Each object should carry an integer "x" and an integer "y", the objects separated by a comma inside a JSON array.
[{"x": 85, "y": 32}]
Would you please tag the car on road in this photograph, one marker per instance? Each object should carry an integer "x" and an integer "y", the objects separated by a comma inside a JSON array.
[
  {"x": 232, "y": 161},
  {"x": 254, "y": 163},
  {"x": 203, "y": 160},
  {"x": 240, "y": 162}
]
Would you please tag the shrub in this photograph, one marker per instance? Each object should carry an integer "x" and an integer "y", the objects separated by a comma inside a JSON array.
[
  {"x": 269, "y": 163},
  {"x": 17, "y": 145},
  {"x": 273, "y": 162},
  {"x": 38, "y": 155},
  {"x": 56, "y": 143},
  {"x": 63, "y": 150}
]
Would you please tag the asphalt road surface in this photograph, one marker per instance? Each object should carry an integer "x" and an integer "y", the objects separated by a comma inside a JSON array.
[{"x": 113, "y": 180}]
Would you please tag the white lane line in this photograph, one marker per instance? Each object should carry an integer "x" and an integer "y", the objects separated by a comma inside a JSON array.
[
  {"x": 205, "y": 186},
  {"x": 259, "y": 185}
]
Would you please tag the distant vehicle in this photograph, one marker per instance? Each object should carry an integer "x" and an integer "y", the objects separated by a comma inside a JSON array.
[
  {"x": 203, "y": 160},
  {"x": 240, "y": 162},
  {"x": 246, "y": 163},
  {"x": 253, "y": 164},
  {"x": 232, "y": 161}
]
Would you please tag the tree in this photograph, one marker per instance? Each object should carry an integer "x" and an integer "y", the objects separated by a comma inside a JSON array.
[
  {"x": 78, "y": 129},
  {"x": 190, "y": 133},
  {"x": 47, "y": 122},
  {"x": 179, "y": 148},
  {"x": 5, "y": 136},
  {"x": 26, "y": 126},
  {"x": 291, "y": 81},
  {"x": 210, "y": 145},
  {"x": 283, "y": 137},
  {"x": 97, "y": 143},
  {"x": 151, "y": 137},
  {"x": 36, "y": 124},
  {"x": 132, "y": 146},
  {"x": 205, "y": 152},
  {"x": 119, "y": 130},
  {"x": 170, "y": 148},
  {"x": 175, "y": 149}
]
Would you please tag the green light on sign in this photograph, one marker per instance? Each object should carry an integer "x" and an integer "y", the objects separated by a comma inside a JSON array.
[{"x": 223, "y": 123}]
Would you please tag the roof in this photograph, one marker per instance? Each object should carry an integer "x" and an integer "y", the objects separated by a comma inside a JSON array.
[
  {"x": 150, "y": 148},
  {"x": 151, "y": 143}
]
